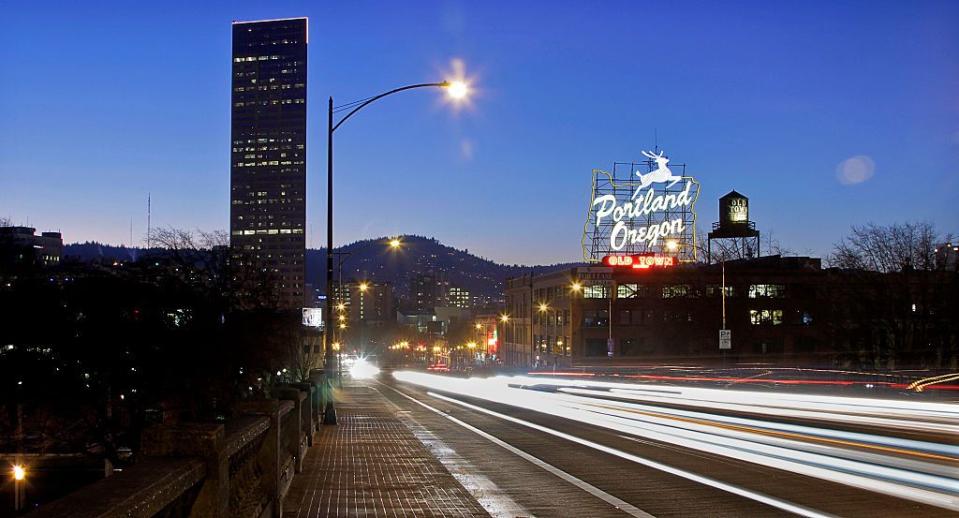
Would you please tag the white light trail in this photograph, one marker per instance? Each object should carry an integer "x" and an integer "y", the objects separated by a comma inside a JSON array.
[{"x": 922, "y": 471}]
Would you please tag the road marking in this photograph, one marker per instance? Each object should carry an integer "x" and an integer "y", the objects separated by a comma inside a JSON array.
[
  {"x": 618, "y": 503},
  {"x": 736, "y": 490},
  {"x": 493, "y": 499}
]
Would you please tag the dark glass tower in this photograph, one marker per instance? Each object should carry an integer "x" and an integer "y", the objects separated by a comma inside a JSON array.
[{"x": 268, "y": 151}]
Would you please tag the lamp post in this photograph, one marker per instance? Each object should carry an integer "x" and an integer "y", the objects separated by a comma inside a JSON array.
[
  {"x": 19, "y": 473},
  {"x": 504, "y": 319},
  {"x": 543, "y": 308},
  {"x": 456, "y": 90},
  {"x": 575, "y": 288}
]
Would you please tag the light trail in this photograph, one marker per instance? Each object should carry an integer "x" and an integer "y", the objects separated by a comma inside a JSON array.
[
  {"x": 917, "y": 470},
  {"x": 931, "y": 383}
]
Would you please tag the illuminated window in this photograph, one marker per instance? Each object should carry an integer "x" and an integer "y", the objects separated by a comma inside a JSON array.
[
  {"x": 595, "y": 291},
  {"x": 714, "y": 290},
  {"x": 675, "y": 290},
  {"x": 772, "y": 291},
  {"x": 630, "y": 291},
  {"x": 758, "y": 317}
]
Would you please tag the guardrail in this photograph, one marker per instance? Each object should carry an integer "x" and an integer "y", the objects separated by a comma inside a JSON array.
[{"x": 241, "y": 468}]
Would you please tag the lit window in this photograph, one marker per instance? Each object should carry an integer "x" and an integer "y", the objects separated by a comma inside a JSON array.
[
  {"x": 675, "y": 290},
  {"x": 630, "y": 291},
  {"x": 759, "y": 317},
  {"x": 773, "y": 291},
  {"x": 595, "y": 291}
]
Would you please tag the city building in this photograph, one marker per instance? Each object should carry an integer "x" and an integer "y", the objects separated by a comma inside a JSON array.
[
  {"x": 612, "y": 315},
  {"x": 365, "y": 302},
  {"x": 459, "y": 297},
  {"x": 21, "y": 246},
  {"x": 429, "y": 290},
  {"x": 268, "y": 151}
]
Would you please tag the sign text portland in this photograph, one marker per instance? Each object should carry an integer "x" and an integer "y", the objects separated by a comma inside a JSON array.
[{"x": 636, "y": 212}]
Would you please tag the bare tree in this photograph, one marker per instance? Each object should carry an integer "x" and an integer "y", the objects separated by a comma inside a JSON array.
[
  {"x": 890, "y": 306},
  {"x": 305, "y": 352},
  {"x": 888, "y": 248},
  {"x": 721, "y": 250},
  {"x": 235, "y": 274}
]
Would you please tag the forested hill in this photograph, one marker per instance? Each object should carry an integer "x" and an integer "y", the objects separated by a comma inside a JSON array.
[{"x": 373, "y": 259}]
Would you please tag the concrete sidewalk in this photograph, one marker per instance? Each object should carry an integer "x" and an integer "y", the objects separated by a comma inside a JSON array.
[{"x": 371, "y": 464}]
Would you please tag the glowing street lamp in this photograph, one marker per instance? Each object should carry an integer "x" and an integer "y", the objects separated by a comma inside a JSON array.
[
  {"x": 19, "y": 473},
  {"x": 479, "y": 326},
  {"x": 364, "y": 286},
  {"x": 543, "y": 307},
  {"x": 672, "y": 245},
  {"x": 457, "y": 90},
  {"x": 471, "y": 345},
  {"x": 504, "y": 318},
  {"x": 395, "y": 243},
  {"x": 576, "y": 287},
  {"x": 341, "y": 306}
]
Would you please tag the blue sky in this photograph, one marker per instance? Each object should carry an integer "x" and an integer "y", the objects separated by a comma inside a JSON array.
[{"x": 102, "y": 103}]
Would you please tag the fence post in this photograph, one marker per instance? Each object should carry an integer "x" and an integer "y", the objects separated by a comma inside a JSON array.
[
  {"x": 202, "y": 440},
  {"x": 270, "y": 456}
]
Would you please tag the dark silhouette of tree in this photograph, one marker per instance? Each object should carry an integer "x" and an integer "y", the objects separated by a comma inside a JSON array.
[{"x": 888, "y": 306}]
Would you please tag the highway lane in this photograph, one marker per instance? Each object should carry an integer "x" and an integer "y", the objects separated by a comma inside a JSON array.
[{"x": 669, "y": 452}]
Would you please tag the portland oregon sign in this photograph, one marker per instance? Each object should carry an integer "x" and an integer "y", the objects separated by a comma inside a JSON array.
[{"x": 643, "y": 209}]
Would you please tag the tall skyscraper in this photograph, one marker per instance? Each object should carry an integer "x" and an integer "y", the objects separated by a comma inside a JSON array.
[{"x": 268, "y": 151}]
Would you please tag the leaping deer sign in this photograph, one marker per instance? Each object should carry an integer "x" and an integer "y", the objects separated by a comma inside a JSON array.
[{"x": 660, "y": 174}]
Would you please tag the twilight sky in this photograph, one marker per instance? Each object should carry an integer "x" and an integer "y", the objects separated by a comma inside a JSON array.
[{"x": 826, "y": 114}]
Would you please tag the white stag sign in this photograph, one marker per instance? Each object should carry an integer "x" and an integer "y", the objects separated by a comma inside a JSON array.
[{"x": 643, "y": 212}]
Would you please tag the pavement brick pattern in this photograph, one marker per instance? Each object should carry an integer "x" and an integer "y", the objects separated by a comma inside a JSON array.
[{"x": 371, "y": 464}]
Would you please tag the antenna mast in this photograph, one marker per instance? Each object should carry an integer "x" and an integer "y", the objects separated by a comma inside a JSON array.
[{"x": 149, "y": 214}]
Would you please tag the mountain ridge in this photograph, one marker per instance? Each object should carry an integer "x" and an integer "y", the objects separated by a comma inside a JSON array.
[{"x": 374, "y": 260}]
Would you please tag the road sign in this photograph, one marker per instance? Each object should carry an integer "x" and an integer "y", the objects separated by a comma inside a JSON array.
[{"x": 725, "y": 339}]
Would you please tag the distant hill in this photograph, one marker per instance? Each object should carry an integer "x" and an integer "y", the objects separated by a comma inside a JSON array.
[
  {"x": 93, "y": 251},
  {"x": 372, "y": 259}
]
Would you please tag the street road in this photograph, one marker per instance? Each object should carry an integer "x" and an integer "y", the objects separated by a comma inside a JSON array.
[{"x": 568, "y": 447}]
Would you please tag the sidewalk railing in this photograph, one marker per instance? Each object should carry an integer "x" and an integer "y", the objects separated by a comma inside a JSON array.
[{"x": 241, "y": 468}]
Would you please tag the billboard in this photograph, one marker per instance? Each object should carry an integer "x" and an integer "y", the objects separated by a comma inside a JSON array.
[
  {"x": 640, "y": 209},
  {"x": 313, "y": 317}
]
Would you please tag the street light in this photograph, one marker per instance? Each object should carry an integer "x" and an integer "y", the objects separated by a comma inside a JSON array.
[
  {"x": 364, "y": 286},
  {"x": 504, "y": 318},
  {"x": 457, "y": 90},
  {"x": 575, "y": 288},
  {"x": 19, "y": 473},
  {"x": 395, "y": 243},
  {"x": 543, "y": 307}
]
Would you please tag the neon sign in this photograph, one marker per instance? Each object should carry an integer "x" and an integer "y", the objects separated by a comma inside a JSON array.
[
  {"x": 639, "y": 261},
  {"x": 641, "y": 213}
]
